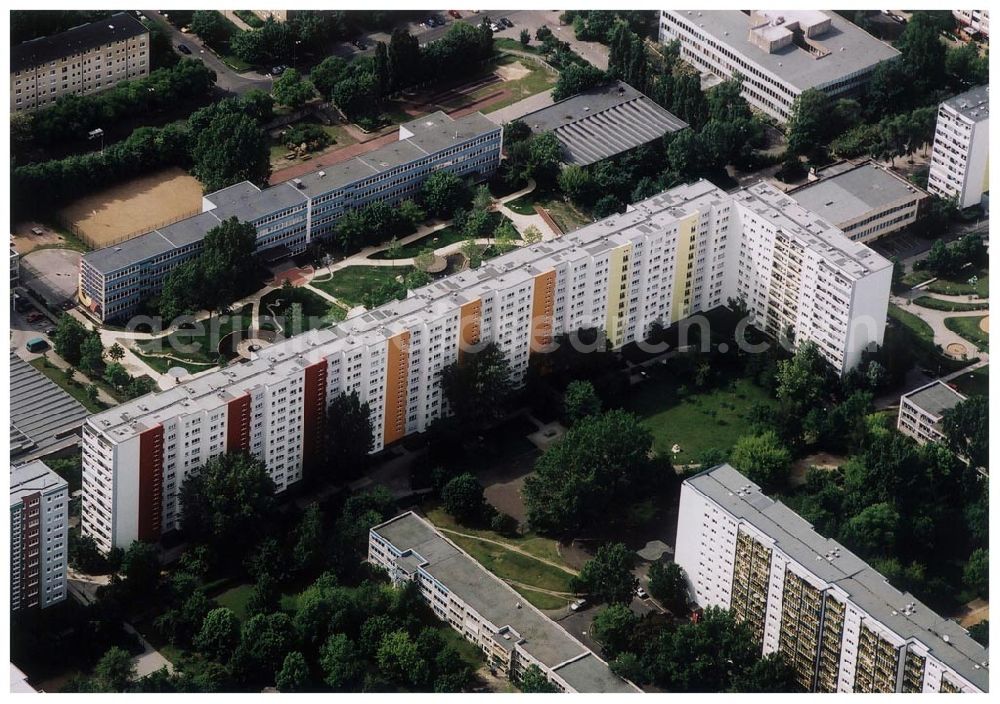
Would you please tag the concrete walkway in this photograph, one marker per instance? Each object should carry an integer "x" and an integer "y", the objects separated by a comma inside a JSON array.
[{"x": 935, "y": 319}]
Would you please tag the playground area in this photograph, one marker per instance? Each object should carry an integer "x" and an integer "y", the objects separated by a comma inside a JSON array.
[{"x": 129, "y": 209}]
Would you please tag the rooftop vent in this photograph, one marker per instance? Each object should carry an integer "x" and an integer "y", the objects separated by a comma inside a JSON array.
[
  {"x": 297, "y": 182},
  {"x": 322, "y": 174}
]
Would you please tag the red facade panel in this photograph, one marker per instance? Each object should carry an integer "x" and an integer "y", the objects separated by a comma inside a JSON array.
[{"x": 150, "y": 483}]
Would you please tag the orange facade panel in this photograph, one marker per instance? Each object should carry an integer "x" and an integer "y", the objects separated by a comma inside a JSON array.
[
  {"x": 470, "y": 328},
  {"x": 396, "y": 375},
  {"x": 542, "y": 310}
]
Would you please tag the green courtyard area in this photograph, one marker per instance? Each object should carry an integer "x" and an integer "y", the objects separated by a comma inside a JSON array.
[{"x": 696, "y": 421}]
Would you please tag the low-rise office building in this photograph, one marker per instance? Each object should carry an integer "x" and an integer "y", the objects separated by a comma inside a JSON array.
[
  {"x": 602, "y": 122},
  {"x": 960, "y": 157},
  {"x": 685, "y": 251},
  {"x": 487, "y": 612},
  {"x": 921, "y": 411},
  {"x": 39, "y": 525},
  {"x": 865, "y": 200},
  {"x": 80, "y": 61},
  {"x": 290, "y": 215},
  {"x": 839, "y": 624},
  {"x": 779, "y": 54}
]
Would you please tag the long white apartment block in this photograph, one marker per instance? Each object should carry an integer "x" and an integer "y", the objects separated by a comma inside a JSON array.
[
  {"x": 779, "y": 53},
  {"x": 839, "y": 624},
  {"x": 684, "y": 251},
  {"x": 39, "y": 525},
  {"x": 486, "y": 611},
  {"x": 961, "y": 154}
]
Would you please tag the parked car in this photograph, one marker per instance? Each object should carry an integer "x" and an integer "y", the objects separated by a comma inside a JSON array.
[
  {"x": 36, "y": 344},
  {"x": 183, "y": 49},
  {"x": 495, "y": 27},
  {"x": 578, "y": 605},
  {"x": 506, "y": 22},
  {"x": 49, "y": 332},
  {"x": 455, "y": 13},
  {"x": 278, "y": 70},
  {"x": 34, "y": 316},
  {"x": 360, "y": 43},
  {"x": 641, "y": 593}
]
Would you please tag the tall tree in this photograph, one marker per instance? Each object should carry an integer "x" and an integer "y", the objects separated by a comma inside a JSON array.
[
  {"x": 762, "y": 458},
  {"x": 608, "y": 576},
  {"x": 231, "y": 149},
  {"x": 479, "y": 388},
  {"x": 350, "y": 435},
  {"x": 291, "y": 89},
  {"x": 966, "y": 428}
]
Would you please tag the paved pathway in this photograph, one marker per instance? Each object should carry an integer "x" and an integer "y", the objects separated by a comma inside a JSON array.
[
  {"x": 149, "y": 660},
  {"x": 935, "y": 319}
]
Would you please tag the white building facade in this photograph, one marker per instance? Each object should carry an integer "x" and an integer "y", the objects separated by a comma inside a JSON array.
[
  {"x": 39, "y": 525},
  {"x": 779, "y": 54},
  {"x": 838, "y": 623},
  {"x": 922, "y": 410},
  {"x": 977, "y": 20},
  {"x": 960, "y": 158},
  {"x": 685, "y": 251}
]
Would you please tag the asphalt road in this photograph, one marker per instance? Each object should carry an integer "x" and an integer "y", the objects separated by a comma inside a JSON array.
[{"x": 227, "y": 80}]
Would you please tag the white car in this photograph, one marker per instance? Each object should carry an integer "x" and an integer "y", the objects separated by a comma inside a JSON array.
[
  {"x": 641, "y": 593},
  {"x": 578, "y": 604}
]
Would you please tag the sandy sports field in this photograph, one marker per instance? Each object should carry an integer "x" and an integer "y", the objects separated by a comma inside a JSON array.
[{"x": 134, "y": 207}]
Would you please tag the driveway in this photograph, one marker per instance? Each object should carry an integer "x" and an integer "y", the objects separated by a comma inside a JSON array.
[{"x": 227, "y": 79}]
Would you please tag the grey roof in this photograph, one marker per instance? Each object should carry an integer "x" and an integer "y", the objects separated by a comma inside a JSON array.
[
  {"x": 851, "y": 48},
  {"x": 973, "y": 104},
  {"x": 836, "y": 565},
  {"x": 247, "y": 202},
  {"x": 855, "y": 192},
  {"x": 31, "y": 478},
  {"x": 603, "y": 121},
  {"x": 42, "y": 50},
  {"x": 495, "y": 601},
  {"x": 935, "y": 398},
  {"x": 43, "y": 417}
]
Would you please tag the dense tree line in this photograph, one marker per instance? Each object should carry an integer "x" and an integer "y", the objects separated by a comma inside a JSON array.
[
  {"x": 945, "y": 260},
  {"x": 598, "y": 25},
  {"x": 222, "y": 143},
  {"x": 72, "y": 116},
  {"x": 83, "y": 350}
]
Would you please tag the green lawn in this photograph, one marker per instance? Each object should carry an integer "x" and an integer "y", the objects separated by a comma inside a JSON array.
[
  {"x": 916, "y": 277},
  {"x": 921, "y": 339},
  {"x": 545, "y": 548},
  {"x": 506, "y": 44},
  {"x": 974, "y": 383},
  {"x": 200, "y": 344},
  {"x": 163, "y": 364},
  {"x": 968, "y": 327},
  {"x": 959, "y": 286},
  {"x": 715, "y": 419},
  {"x": 510, "y": 565},
  {"x": 317, "y": 311},
  {"x": 949, "y": 306},
  {"x": 235, "y": 599},
  {"x": 917, "y": 326},
  {"x": 538, "y": 79},
  {"x": 73, "y": 388},
  {"x": 339, "y": 137},
  {"x": 350, "y": 283},
  {"x": 525, "y": 205},
  {"x": 435, "y": 240},
  {"x": 566, "y": 216}
]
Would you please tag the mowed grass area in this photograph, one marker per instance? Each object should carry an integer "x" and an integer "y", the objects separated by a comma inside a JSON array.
[
  {"x": 339, "y": 138},
  {"x": 317, "y": 311},
  {"x": 948, "y": 306},
  {"x": 974, "y": 383},
  {"x": 538, "y": 79},
  {"x": 435, "y": 240},
  {"x": 960, "y": 286},
  {"x": 236, "y": 599},
  {"x": 73, "y": 388},
  {"x": 921, "y": 339},
  {"x": 545, "y": 548},
  {"x": 199, "y": 344},
  {"x": 912, "y": 322},
  {"x": 350, "y": 283},
  {"x": 969, "y": 328},
  {"x": 698, "y": 422},
  {"x": 163, "y": 364},
  {"x": 566, "y": 215},
  {"x": 515, "y": 567}
]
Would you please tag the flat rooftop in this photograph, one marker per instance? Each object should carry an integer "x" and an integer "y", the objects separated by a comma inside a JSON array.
[
  {"x": 851, "y": 49},
  {"x": 935, "y": 398},
  {"x": 602, "y": 122},
  {"x": 973, "y": 104},
  {"x": 439, "y": 298},
  {"x": 837, "y": 566},
  {"x": 247, "y": 202},
  {"x": 854, "y": 192},
  {"x": 79, "y": 39},
  {"x": 497, "y": 602},
  {"x": 32, "y": 478},
  {"x": 43, "y": 417}
]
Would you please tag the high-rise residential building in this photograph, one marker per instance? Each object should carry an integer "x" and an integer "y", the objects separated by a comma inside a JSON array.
[
  {"x": 839, "y": 624},
  {"x": 921, "y": 411},
  {"x": 864, "y": 200},
  {"x": 290, "y": 215},
  {"x": 976, "y": 20},
  {"x": 39, "y": 525},
  {"x": 960, "y": 158},
  {"x": 80, "y": 61},
  {"x": 485, "y": 610},
  {"x": 684, "y": 251},
  {"x": 779, "y": 54}
]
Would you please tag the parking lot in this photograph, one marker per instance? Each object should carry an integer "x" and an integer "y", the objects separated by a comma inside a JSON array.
[{"x": 51, "y": 274}]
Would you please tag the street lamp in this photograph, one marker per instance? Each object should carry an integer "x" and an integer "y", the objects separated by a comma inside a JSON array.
[
  {"x": 295, "y": 52},
  {"x": 94, "y": 134}
]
